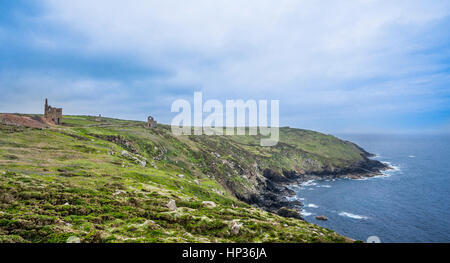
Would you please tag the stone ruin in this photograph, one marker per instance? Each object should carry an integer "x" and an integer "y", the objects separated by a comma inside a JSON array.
[
  {"x": 52, "y": 114},
  {"x": 99, "y": 118},
  {"x": 151, "y": 123}
]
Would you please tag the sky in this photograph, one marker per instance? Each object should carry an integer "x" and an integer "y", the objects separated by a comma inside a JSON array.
[{"x": 349, "y": 66}]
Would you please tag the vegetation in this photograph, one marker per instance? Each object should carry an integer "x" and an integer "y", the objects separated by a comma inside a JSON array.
[{"x": 110, "y": 181}]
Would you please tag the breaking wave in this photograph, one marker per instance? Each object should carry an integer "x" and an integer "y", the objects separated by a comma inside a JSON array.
[
  {"x": 305, "y": 213},
  {"x": 350, "y": 215},
  {"x": 309, "y": 183}
]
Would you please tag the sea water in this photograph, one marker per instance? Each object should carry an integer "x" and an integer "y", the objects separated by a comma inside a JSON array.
[{"x": 410, "y": 204}]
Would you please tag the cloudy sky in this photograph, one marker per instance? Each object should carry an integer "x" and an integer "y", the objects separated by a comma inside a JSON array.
[{"x": 335, "y": 66}]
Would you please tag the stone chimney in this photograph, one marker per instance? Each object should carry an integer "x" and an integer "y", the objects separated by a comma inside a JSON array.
[{"x": 46, "y": 108}]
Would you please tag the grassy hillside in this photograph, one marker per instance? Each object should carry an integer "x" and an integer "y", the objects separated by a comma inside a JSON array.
[{"x": 110, "y": 181}]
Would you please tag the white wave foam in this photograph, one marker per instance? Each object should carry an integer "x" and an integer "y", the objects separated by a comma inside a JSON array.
[
  {"x": 305, "y": 213},
  {"x": 350, "y": 215},
  {"x": 313, "y": 206},
  {"x": 324, "y": 186},
  {"x": 412, "y": 156},
  {"x": 364, "y": 178},
  {"x": 291, "y": 198},
  {"x": 385, "y": 174},
  {"x": 309, "y": 183},
  {"x": 395, "y": 168}
]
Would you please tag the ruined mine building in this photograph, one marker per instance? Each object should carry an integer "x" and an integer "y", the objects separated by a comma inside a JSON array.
[
  {"x": 52, "y": 114},
  {"x": 151, "y": 123}
]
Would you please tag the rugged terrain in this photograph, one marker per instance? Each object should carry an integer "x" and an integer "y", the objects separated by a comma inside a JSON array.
[{"x": 112, "y": 180}]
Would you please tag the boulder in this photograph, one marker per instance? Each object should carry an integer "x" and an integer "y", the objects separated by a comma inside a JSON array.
[
  {"x": 126, "y": 154},
  {"x": 323, "y": 218},
  {"x": 143, "y": 163},
  {"x": 73, "y": 239},
  {"x": 210, "y": 204},
  {"x": 181, "y": 175},
  {"x": 235, "y": 228},
  {"x": 172, "y": 205}
]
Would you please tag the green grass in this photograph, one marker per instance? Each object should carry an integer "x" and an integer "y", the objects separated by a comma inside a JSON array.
[{"x": 72, "y": 180}]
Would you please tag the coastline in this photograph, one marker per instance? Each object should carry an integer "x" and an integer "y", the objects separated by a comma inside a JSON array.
[{"x": 277, "y": 192}]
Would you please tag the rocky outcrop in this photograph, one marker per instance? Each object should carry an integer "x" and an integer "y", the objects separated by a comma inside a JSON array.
[
  {"x": 286, "y": 212},
  {"x": 322, "y": 218},
  {"x": 274, "y": 190},
  {"x": 235, "y": 228},
  {"x": 172, "y": 205},
  {"x": 209, "y": 204},
  {"x": 142, "y": 161},
  {"x": 73, "y": 239}
]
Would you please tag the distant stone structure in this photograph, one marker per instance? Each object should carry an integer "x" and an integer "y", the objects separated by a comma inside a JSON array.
[
  {"x": 99, "y": 118},
  {"x": 151, "y": 123},
  {"x": 53, "y": 114}
]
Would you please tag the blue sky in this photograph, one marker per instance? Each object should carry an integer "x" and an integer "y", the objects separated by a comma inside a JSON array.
[{"x": 335, "y": 66}]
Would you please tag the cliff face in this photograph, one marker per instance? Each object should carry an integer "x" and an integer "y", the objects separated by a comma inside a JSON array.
[
  {"x": 258, "y": 175},
  {"x": 121, "y": 163}
]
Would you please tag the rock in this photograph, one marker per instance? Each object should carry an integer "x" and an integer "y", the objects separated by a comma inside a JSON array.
[
  {"x": 143, "y": 163},
  {"x": 217, "y": 191},
  {"x": 66, "y": 204},
  {"x": 73, "y": 239},
  {"x": 126, "y": 154},
  {"x": 288, "y": 192},
  {"x": 286, "y": 212},
  {"x": 196, "y": 182},
  {"x": 235, "y": 228},
  {"x": 172, "y": 205},
  {"x": 210, "y": 204},
  {"x": 181, "y": 175},
  {"x": 323, "y": 218}
]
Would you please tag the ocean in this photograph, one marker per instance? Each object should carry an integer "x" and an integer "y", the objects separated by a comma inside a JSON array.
[{"x": 410, "y": 204}]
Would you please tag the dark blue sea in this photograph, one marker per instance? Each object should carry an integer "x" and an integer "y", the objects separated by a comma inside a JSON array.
[{"x": 410, "y": 204}]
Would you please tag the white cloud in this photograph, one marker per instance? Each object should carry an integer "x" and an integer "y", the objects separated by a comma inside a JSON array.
[{"x": 307, "y": 53}]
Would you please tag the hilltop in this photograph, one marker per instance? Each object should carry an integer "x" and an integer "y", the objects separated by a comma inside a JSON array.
[{"x": 111, "y": 181}]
